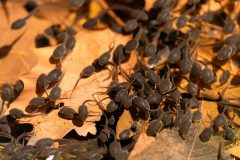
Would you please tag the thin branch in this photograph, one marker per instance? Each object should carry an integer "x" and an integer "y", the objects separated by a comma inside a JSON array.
[{"x": 110, "y": 12}]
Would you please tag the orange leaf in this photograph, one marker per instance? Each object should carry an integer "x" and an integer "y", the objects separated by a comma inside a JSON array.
[
  {"x": 124, "y": 122},
  {"x": 90, "y": 44},
  {"x": 142, "y": 143},
  {"x": 235, "y": 151}
]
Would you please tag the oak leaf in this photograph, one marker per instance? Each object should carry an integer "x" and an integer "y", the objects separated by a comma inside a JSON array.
[{"x": 90, "y": 44}]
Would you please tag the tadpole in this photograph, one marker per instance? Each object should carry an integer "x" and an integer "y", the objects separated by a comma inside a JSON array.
[
  {"x": 5, "y": 50},
  {"x": 86, "y": 72}
]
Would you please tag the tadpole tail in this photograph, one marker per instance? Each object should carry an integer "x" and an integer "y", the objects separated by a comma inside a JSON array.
[
  {"x": 99, "y": 103},
  {"x": 141, "y": 64},
  {"x": 75, "y": 87},
  {"x": 6, "y": 135},
  {"x": 89, "y": 100},
  {"x": 124, "y": 74},
  {"x": 17, "y": 39},
  {"x": 33, "y": 115},
  {"x": 109, "y": 75},
  {"x": 5, "y": 9},
  {"x": 115, "y": 73},
  {"x": 32, "y": 13},
  {"x": 46, "y": 93}
]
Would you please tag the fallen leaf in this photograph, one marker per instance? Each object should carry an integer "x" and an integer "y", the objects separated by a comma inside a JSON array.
[
  {"x": 88, "y": 128},
  {"x": 208, "y": 108},
  {"x": 170, "y": 146},
  {"x": 212, "y": 5},
  {"x": 142, "y": 143},
  {"x": 125, "y": 121},
  {"x": 180, "y": 5},
  {"x": 21, "y": 54},
  {"x": 50, "y": 10},
  {"x": 235, "y": 151},
  {"x": 23, "y": 63},
  {"x": 90, "y": 44},
  {"x": 149, "y": 4},
  {"x": 33, "y": 27},
  {"x": 206, "y": 54}
]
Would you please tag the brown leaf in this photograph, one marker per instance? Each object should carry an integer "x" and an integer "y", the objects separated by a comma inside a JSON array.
[
  {"x": 213, "y": 5},
  {"x": 125, "y": 121},
  {"x": 170, "y": 146},
  {"x": 23, "y": 63},
  {"x": 50, "y": 11},
  {"x": 149, "y": 4},
  {"x": 33, "y": 27},
  {"x": 235, "y": 151},
  {"x": 90, "y": 44},
  {"x": 142, "y": 143},
  {"x": 208, "y": 108}
]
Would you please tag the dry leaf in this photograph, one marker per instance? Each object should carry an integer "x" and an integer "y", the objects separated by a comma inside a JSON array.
[
  {"x": 149, "y": 4},
  {"x": 208, "y": 108},
  {"x": 90, "y": 44},
  {"x": 33, "y": 27},
  {"x": 21, "y": 54},
  {"x": 50, "y": 11},
  {"x": 142, "y": 143},
  {"x": 170, "y": 146},
  {"x": 125, "y": 121},
  {"x": 235, "y": 151},
  {"x": 180, "y": 5},
  {"x": 213, "y": 5},
  {"x": 23, "y": 63}
]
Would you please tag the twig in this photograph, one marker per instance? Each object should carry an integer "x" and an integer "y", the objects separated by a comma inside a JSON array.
[{"x": 105, "y": 6}]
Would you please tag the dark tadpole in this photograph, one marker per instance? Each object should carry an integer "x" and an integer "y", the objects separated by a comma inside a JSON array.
[{"x": 5, "y": 50}]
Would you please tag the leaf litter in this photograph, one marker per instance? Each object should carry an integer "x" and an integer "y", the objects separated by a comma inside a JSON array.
[
  {"x": 79, "y": 54},
  {"x": 82, "y": 55},
  {"x": 169, "y": 145}
]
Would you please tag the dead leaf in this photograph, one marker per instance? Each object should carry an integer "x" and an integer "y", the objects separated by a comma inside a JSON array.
[
  {"x": 50, "y": 9},
  {"x": 21, "y": 54},
  {"x": 95, "y": 9},
  {"x": 170, "y": 146},
  {"x": 23, "y": 63},
  {"x": 33, "y": 27},
  {"x": 235, "y": 151},
  {"x": 90, "y": 44},
  {"x": 124, "y": 122},
  {"x": 149, "y": 4},
  {"x": 212, "y": 5},
  {"x": 208, "y": 108},
  {"x": 142, "y": 143},
  {"x": 180, "y": 5}
]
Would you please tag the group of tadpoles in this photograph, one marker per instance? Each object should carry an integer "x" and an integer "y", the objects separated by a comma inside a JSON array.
[{"x": 166, "y": 55}]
